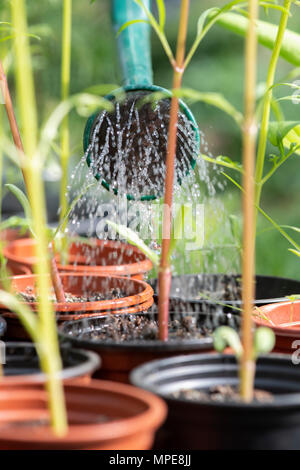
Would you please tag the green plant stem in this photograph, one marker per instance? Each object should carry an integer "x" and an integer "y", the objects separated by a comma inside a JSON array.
[
  {"x": 48, "y": 341},
  {"x": 165, "y": 275},
  {"x": 65, "y": 133},
  {"x": 247, "y": 364},
  {"x": 278, "y": 165},
  {"x": 263, "y": 136}
]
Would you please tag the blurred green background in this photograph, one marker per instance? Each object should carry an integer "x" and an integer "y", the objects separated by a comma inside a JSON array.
[{"x": 217, "y": 67}]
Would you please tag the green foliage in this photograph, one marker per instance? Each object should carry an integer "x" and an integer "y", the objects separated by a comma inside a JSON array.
[
  {"x": 225, "y": 336},
  {"x": 267, "y": 33},
  {"x": 213, "y": 99},
  {"x": 285, "y": 133},
  {"x": 135, "y": 240},
  {"x": 22, "y": 198},
  {"x": 129, "y": 23},
  {"x": 264, "y": 341}
]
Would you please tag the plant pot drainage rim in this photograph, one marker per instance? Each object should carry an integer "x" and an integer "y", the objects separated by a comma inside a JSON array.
[
  {"x": 89, "y": 362},
  {"x": 214, "y": 365},
  {"x": 65, "y": 334}
]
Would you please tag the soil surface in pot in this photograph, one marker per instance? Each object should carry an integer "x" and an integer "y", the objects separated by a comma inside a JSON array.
[
  {"x": 220, "y": 394},
  {"x": 114, "y": 293},
  {"x": 119, "y": 328}
]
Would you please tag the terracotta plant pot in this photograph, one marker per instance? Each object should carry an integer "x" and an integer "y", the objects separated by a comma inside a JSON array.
[
  {"x": 119, "y": 358},
  {"x": 102, "y": 416},
  {"x": 217, "y": 425},
  {"x": 22, "y": 369},
  {"x": 284, "y": 319},
  {"x": 18, "y": 270},
  {"x": 97, "y": 256},
  {"x": 11, "y": 234},
  {"x": 139, "y": 297}
]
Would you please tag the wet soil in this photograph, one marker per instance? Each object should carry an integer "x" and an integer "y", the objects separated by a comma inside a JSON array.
[
  {"x": 115, "y": 293},
  {"x": 130, "y": 328},
  {"x": 220, "y": 394}
]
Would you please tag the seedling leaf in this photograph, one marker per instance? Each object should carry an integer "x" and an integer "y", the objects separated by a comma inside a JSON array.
[
  {"x": 264, "y": 340},
  {"x": 225, "y": 336}
]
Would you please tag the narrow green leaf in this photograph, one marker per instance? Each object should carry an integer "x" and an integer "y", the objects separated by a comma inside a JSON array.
[
  {"x": 296, "y": 252},
  {"x": 267, "y": 33},
  {"x": 224, "y": 161},
  {"x": 22, "y": 198},
  {"x": 213, "y": 99},
  {"x": 135, "y": 240},
  {"x": 161, "y": 13},
  {"x": 129, "y": 23},
  {"x": 263, "y": 341},
  {"x": 225, "y": 336},
  {"x": 203, "y": 17}
]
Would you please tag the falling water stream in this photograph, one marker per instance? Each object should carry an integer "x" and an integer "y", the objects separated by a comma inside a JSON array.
[{"x": 128, "y": 150}]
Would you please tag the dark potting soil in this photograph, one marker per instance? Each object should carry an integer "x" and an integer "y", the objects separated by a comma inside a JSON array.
[
  {"x": 141, "y": 131},
  {"x": 221, "y": 394},
  {"x": 114, "y": 293},
  {"x": 143, "y": 328}
]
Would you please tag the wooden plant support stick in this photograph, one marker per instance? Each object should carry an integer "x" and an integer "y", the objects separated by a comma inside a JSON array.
[
  {"x": 247, "y": 366},
  {"x": 165, "y": 275},
  {"x": 57, "y": 285}
]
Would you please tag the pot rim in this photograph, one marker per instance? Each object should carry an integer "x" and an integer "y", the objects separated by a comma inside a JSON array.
[
  {"x": 129, "y": 300},
  {"x": 284, "y": 400},
  {"x": 139, "y": 267},
  {"x": 280, "y": 331},
  {"x": 90, "y": 365},
  {"x": 150, "y": 418}
]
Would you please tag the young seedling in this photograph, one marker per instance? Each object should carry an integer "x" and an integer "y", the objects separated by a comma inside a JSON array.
[{"x": 263, "y": 343}]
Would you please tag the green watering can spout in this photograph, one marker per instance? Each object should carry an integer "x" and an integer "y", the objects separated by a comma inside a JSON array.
[{"x": 134, "y": 52}]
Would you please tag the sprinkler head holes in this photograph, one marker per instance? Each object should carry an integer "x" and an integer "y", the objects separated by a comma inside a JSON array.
[{"x": 126, "y": 149}]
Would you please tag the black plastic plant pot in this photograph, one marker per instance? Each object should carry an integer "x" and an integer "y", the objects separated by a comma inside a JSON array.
[
  {"x": 208, "y": 424},
  {"x": 187, "y": 290},
  {"x": 118, "y": 358},
  {"x": 22, "y": 367},
  {"x": 2, "y": 327}
]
